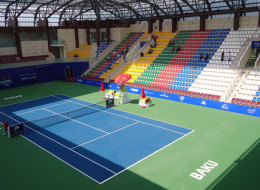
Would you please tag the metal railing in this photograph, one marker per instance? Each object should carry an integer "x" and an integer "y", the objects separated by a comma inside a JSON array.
[
  {"x": 257, "y": 60},
  {"x": 142, "y": 49},
  {"x": 103, "y": 55},
  {"x": 244, "y": 53}
]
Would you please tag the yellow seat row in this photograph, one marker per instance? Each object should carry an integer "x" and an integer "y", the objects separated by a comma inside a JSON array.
[{"x": 83, "y": 51}]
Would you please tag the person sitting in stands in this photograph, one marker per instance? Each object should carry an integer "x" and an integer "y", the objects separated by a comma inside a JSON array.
[
  {"x": 229, "y": 56},
  {"x": 201, "y": 56},
  {"x": 75, "y": 55},
  {"x": 173, "y": 49},
  {"x": 141, "y": 54},
  {"x": 108, "y": 58},
  {"x": 178, "y": 48},
  {"x": 114, "y": 53},
  {"x": 222, "y": 56},
  {"x": 150, "y": 51},
  {"x": 173, "y": 42},
  {"x": 170, "y": 42},
  {"x": 155, "y": 38},
  {"x": 154, "y": 45},
  {"x": 207, "y": 56}
]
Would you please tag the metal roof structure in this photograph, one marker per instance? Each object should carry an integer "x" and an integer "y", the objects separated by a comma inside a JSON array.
[{"x": 29, "y": 11}]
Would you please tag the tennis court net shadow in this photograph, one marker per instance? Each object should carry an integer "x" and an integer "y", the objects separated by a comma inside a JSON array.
[{"x": 243, "y": 173}]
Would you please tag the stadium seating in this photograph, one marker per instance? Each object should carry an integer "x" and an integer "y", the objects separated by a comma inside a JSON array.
[
  {"x": 82, "y": 52},
  {"x": 103, "y": 69},
  {"x": 103, "y": 46},
  {"x": 15, "y": 59},
  {"x": 249, "y": 92},
  {"x": 143, "y": 63}
]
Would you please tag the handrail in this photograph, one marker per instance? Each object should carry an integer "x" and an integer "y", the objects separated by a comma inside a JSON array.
[
  {"x": 109, "y": 49},
  {"x": 138, "y": 53},
  {"x": 131, "y": 51},
  {"x": 238, "y": 64},
  {"x": 257, "y": 60},
  {"x": 137, "y": 45}
]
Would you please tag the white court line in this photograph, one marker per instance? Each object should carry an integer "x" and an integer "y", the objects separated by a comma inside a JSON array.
[
  {"x": 125, "y": 117},
  {"x": 147, "y": 157},
  {"x": 61, "y": 144},
  {"x": 74, "y": 120},
  {"x": 55, "y": 95},
  {"x": 30, "y": 100},
  {"x": 111, "y": 113},
  {"x": 60, "y": 159},
  {"x": 41, "y": 108},
  {"x": 105, "y": 135}
]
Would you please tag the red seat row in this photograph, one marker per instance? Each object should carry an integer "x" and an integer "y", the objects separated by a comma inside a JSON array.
[{"x": 245, "y": 102}]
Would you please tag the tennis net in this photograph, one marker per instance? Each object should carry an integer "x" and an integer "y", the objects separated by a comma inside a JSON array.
[{"x": 57, "y": 118}]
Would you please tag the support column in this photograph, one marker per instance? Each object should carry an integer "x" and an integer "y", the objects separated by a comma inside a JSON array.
[
  {"x": 108, "y": 25},
  {"x": 202, "y": 22},
  {"x": 18, "y": 39},
  {"x": 76, "y": 29},
  {"x": 174, "y": 24},
  {"x": 259, "y": 19},
  {"x": 150, "y": 26},
  {"x": 48, "y": 34},
  {"x": 88, "y": 31},
  {"x": 236, "y": 21},
  {"x": 160, "y": 24},
  {"x": 98, "y": 32}
]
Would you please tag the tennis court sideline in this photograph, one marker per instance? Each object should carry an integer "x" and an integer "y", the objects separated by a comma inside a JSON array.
[{"x": 100, "y": 143}]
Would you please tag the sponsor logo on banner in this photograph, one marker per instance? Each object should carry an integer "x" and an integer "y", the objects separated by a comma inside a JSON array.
[
  {"x": 134, "y": 89},
  {"x": 182, "y": 98},
  {"x": 6, "y": 82},
  {"x": 80, "y": 80},
  {"x": 28, "y": 76},
  {"x": 203, "y": 102},
  {"x": 147, "y": 92},
  {"x": 224, "y": 107},
  {"x": 251, "y": 111},
  {"x": 164, "y": 95}
]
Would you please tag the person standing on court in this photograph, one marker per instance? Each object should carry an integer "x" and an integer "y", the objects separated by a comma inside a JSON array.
[
  {"x": 6, "y": 125},
  {"x": 35, "y": 79}
]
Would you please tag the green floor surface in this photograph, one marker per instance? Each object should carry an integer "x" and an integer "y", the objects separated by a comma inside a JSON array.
[{"x": 230, "y": 139}]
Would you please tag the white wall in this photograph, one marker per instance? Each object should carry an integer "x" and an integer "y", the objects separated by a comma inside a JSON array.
[
  {"x": 8, "y": 51},
  {"x": 82, "y": 36},
  {"x": 189, "y": 25},
  {"x": 34, "y": 48},
  {"x": 69, "y": 36},
  {"x": 219, "y": 23},
  {"x": 139, "y": 27},
  {"x": 248, "y": 22},
  {"x": 167, "y": 26},
  {"x": 119, "y": 33},
  {"x": 245, "y": 22}
]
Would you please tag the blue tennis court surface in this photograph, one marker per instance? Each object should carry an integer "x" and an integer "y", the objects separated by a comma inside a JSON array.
[{"x": 101, "y": 144}]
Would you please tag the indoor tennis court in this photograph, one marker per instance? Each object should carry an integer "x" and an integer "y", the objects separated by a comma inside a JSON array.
[{"x": 98, "y": 142}]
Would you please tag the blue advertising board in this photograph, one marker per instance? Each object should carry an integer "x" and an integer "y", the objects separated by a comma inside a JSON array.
[
  {"x": 22, "y": 76},
  {"x": 93, "y": 83},
  {"x": 195, "y": 101},
  {"x": 181, "y": 98},
  {"x": 255, "y": 44}
]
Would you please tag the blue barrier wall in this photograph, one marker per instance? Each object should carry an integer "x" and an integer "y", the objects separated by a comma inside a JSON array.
[
  {"x": 184, "y": 99},
  {"x": 22, "y": 76},
  {"x": 255, "y": 44}
]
